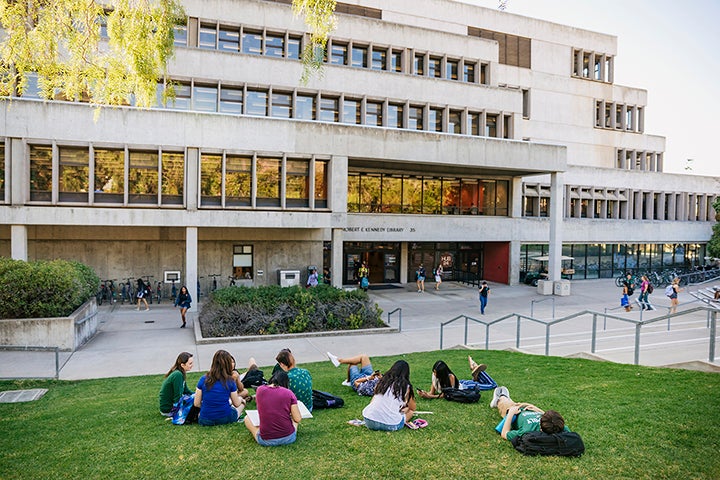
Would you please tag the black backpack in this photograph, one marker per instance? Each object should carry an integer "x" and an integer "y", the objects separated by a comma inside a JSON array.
[
  {"x": 650, "y": 288},
  {"x": 254, "y": 378},
  {"x": 462, "y": 396},
  {"x": 564, "y": 444},
  {"x": 326, "y": 400}
]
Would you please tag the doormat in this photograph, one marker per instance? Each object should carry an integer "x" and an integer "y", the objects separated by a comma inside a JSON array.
[
  {"x": 384, "y": 286},
  {"x": 17, "y": 396}
]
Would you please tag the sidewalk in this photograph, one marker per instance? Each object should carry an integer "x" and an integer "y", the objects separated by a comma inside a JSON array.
[{"x": 131, "y": 342}]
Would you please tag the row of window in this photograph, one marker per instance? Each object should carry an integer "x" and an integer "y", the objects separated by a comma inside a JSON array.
[
  {"x": 337, "y": 108},
  {"x": 251, "y": 40},
  {"x": 619, "y": 116},
  {"x": 593, "y": 65},
  {"x": 123, "y": 176},
  {"x": 433, "y": 195},
  {"x": 639, "y": 160}
]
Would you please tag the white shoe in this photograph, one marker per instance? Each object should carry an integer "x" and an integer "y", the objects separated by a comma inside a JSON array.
[
  {"x": 346, "y": 383},
  {"x": 499, "y": 392},
  {"x": 333, "y": 359}
]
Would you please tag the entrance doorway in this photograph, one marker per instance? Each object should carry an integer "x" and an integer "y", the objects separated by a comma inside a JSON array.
[{"x": 382, "y": 259}]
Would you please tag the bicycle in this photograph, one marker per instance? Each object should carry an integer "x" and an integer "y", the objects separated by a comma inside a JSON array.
[
  {"x": 106, "y": 292},
  {"x": 127, "y": 292},
  {"x": 148, "y": 287},
  {"x": 158, "y": 292}
]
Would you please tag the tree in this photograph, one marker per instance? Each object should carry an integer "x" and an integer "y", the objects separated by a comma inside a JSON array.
[
  {"x": 111, "y": 53},
  {"x": 320, "y": 18},
  {"x": 713, "y": 246}
]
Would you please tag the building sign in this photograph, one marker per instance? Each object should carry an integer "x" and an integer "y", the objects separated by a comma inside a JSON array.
[{"x": 379, "y": 229}]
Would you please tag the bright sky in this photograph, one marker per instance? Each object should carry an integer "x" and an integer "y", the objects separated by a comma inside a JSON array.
[{"x": 667, "y": 47}]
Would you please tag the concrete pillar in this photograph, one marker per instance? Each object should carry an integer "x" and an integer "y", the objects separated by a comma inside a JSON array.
[
  {"x": 672, "y": 207},
  {"x": 192, "y": 178},
  {"x": 556, "y": 221},
  {"x": 514, "y": 262},
  {"x": 19, "y": 173},
  {"x": 660, "y": 209},
  {"x": 516, "y": 209},
  {"x": 660, "y": 165},
  {"x": 18, "y": 242},
  {"x": 404, "y": 260},
  {"x": 638, "y": 205},
  {"x": 710, "y": 210},
  {"x": 336, "y": 260},
  {"x": 702, "y": 207},
  {"x": 191, "y": 264}
]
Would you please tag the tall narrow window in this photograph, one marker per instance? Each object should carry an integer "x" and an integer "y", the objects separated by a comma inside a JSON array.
[
  {"x": 274, "y": 44},
  {"x": 491, "y": 126},
  {"x": 143, "y": 177},
  {"x": 412, "y": 194},
  {"x": 328, "y": 109},
  {"x": 373, "y": 114},
  {"x": 434, "y": 67},
  {"x": 419, "y": 64},
  {"x": 395, "y": 116},
  {"x": 257, "y": 103},
  {"x": 483, "y": 74},
  {"x": 208, "y": 37},
  {"x": 379, "y": 59},
  {"x": 305, "y": 107},
  {"x": 297, "y": 183},
  {"x": 353, "y": 194},
  {"x": 469, "y": 192},
  {"x": 370, "y": 193},
  {"x": 435, "y": 119},
  {"x": 210, "y": 180},
  {"x": 359, "y": 56},
  {"x": 109, "y": 175},
  {"x": 205, "y": 98},
  {"x": 451, "y": 69},
  {"x": 2, "y": 171},
  {"x": 282, "y": 105},
  {"x": 473, "y": 123},
  {"x": 339, "y": 54},
  {"x": 392, "y": 193},
  {"x": 469, "y": 72},
  {"x": 432, "y": 196},
  {"x": 179, "y": 35},
  {"x": 229, "y": 39},
  {"x": 243, "y": 262},
  {"x": 74, "y": 174},
  {"x": 351, "y": 111},
  {"x": 268, "y": 182},
  {"x": 231, "y": 100},
  {"x": 40, "y": 173},
  {"x": 454, "y": 119},
  {"x": 252, "y": 42},
  {"x": 293, "y": 47},
  {"x": 173, "y": 178},
  {"x": 396, "y": 61},
  {"x": 487, "y": 198},
  {"x": 415, "y": 118},
  {"x": 526, "y": 103},
  {"x": 321, "y": 183},
  {"x": 507, "y": 126},
  {"x": 238, "y": 180}
]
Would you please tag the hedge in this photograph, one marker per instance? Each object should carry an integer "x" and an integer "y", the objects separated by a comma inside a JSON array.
[
  {"x": 238, "y": 311},
  {"x": 41, "y": 289}
]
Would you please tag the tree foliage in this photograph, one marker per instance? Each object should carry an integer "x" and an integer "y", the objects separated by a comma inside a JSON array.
[
  {"x": 713, "y": 246},
  {"x": 320, "y": 18},
  {"x": 111, "y": 52}
]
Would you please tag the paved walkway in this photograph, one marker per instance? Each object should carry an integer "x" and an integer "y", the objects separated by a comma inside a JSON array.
[{"x": 131, "y": 342}]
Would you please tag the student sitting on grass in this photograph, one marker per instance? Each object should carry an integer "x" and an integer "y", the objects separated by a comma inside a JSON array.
[
  {"x": 278, "y": 411},
  {"x": 242, "y": 391},
  {"x": 175, "y": 384},
  {"x": 360, "y": 374},
  {"x": 443, "y": 377},
  {"x": 216, "y": 390},
  {"x": 300, "y": 379},
  {"x": 394, "y": 401}
]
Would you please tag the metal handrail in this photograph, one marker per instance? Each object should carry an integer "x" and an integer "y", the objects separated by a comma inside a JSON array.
[
  {"x": 35, "y": 348},
  {"x": 533, "y": 302},
  {"x": 399, "y": 310},
  {"x": 712, "y": 320}
]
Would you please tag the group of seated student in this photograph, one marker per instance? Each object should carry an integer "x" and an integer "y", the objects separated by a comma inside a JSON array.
[{"x": 221, "y": 396}]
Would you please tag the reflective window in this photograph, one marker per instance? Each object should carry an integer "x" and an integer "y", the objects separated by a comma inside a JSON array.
[
  {"x": 451, "y": 69},
  {"x": 473, "y": 123},
  {"x": 294, "y": 47},
  {"x": 491, "y": 125},
  {"x": 180, "y": 35},
  {"x": 282, "y": 105},
  {"x": 370, "y": 193},
  {"x": 359, "y": 57},
  {"x": 40, "y": 173},
  {"x": 412, "y": 194},
  {"x": 183, "y": 96},
  {"x": 231, "y": 100},
  {"x": 435, "y": 119},
  {"x": 143, "y": 177},
  {"x": 434, "y": 67},
  {"x": 328, "y": 110},
  {"x": 205, "y": 98},
  {"x": 238, "y": 180},
  {"x": 353, "y": 197},
  {"x": 268, "y": 182},
  {"x": 419, "y": 64},
  {"x": 274, "y": 45},
  {"x": 297, "y": 183},
  {"x": 396, "y": 61},
  {"x": 210, "y": 179},
  {"x": 338, "y": 54},
  {"x": 252, "y": 42},
  {"x": 392, "y": 194},
  {"x": 305, "y": 107},
  {"x": 379, "y": 59},
  {"x": 454, "y": 119},
  {"x": 208, "y": 37},
  {"x": 173, "y": 178},
  {"x": 469, "y": 191},
  {"x": 74, "y": 174},
  {"x": 32, "y": 89},
  {"x": 109, "y": 175},
  {"x": 415, "y": 118},
  {"x": 257, "y": 103},
  {"x": 351, "y": 111},
  {"x": 229, "y": 39},
  {"x": 321, "y": 182},
  {"x": 373, "y": 113},
  {"x": 432, "y": 196},
  {"x": 469, "y": 72},
  {"x": 395, "y": 116},
  {"x": 243, "y": 261}
]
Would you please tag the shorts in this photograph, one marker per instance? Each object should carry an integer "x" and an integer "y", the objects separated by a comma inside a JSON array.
[
  {"x": 438, "y": 279},
  {"x": 275, "y": 442},
  {"x": 421, "y": 278},
  {"x": 373, "y": 425},
  {"x": 356, "y": 373}
]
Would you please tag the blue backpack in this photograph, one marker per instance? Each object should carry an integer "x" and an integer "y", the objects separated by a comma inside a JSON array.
[{"x": 181, "y": 410}]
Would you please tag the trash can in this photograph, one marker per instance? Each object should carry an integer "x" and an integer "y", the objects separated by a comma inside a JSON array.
[
  {"x": 288, "y": 278},
  {"x": 545, "y": 287},
  {"x": 562, "y": 288}
]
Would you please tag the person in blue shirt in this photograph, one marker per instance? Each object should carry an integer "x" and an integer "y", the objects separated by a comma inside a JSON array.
[{"x": 215, "y": 392}]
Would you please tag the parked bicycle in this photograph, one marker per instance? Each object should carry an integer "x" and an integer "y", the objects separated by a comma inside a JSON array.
[
  {"x": 106, "y": 292},
  {"x": 127, "y": 292}
]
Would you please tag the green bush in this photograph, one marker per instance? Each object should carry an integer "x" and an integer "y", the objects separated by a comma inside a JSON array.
[
  {"x": 44, "y": 288},
  {"x": 238, "y": 311}
]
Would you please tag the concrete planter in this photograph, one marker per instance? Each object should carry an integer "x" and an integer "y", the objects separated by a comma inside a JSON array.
[{"x": 66, "y": 333}]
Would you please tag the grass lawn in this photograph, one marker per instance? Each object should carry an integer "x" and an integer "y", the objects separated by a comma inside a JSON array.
[{"x": 637, "y": 422}]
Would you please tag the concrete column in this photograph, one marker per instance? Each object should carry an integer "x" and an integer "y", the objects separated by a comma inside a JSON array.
[
  {"x": 338, "y": 185},
  {"x": 516, "y": 207},
  {"x": 683, "y": 207},
  {"x": 638, "y": 205},
  {"x": 649, "y": 205},
  {"x": 702, "y": 207},
  {"x": 660, "y": 165},
  {"x": 19, "y": 179},
  {"x": 192, "y": 178},
  {"x": 672, "y": 207},
  {"x": 514, "y": 262},
  {"x": 404, "y": 260},
  {"x": 623, "y": 117},
  {"x": 692, "y": 207},
  {"x": 556, "y": 221},
  {"x": 18, "y": 242},
  {"x": 191, "y": 264},
  {"x": 660, "y": 208},
  {"x": 336, "y": 260}
]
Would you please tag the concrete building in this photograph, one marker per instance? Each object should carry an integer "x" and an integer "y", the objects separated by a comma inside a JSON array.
[{"x": 439, "y": 132}]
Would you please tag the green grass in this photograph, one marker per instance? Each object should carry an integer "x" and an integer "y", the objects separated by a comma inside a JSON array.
[{"x": 637, "y": 422}]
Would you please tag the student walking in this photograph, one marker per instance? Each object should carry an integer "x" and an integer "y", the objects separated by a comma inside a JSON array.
[
  {"x": 183, "y": 300},
  {"x": 483, "y": 293},
  {"x": 142, "y": 292},
  {"x": 438, "y": 276},
  {"x": 672, "y": 292},
  {"x": 420, "y": 275},
  {"x": 645, "y": 290}
]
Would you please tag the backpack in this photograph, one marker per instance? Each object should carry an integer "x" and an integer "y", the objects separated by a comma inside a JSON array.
[
  {"x": 650, "y": 288},
  {"x": 462, "y": 396},
  {"x": 564, "y": 444},
  {"x": 325, "y": 400},
  {"x": 669, "y": 290},
  {"x": 185, "y": 411},
  {"x": 254, "y": 378}
]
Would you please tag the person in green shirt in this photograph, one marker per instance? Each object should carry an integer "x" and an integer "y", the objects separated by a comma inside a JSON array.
[
  {"x": 529, "y": 417},
  {"x": 300, "y": 379},
  {"x": 175, "y": 384}
]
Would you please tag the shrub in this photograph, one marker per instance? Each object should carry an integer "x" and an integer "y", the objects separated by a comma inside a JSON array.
[
  {"x": 44, "y": 288},
  {"x": 238, "y": 311}
]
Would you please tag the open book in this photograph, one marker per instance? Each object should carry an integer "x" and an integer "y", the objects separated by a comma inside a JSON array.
[{"x": 255, "y": 417}]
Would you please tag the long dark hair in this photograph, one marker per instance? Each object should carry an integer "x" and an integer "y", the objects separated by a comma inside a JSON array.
[
  {"x": 220, "y": 370},
  {"x": 182, "y": 358},
  {"x": 280, "y": 378},
  {"x": 397, "y": 379},
  {"x": 442, "y": 373}
]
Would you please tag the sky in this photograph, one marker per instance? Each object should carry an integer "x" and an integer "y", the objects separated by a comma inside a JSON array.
[{"x": 669, "y": 48}]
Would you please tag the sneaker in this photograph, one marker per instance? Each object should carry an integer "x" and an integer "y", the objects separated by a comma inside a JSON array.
[
  {"x": 499, "y": 392},
  {"x": 333, "y": 359},
  {"x": 346, "y": 383}
]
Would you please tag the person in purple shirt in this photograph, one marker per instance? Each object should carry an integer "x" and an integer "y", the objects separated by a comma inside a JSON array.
[{"x": 278, "y": 411}]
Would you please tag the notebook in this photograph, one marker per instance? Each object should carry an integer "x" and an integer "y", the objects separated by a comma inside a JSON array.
[{"x": 255, "y": 417}]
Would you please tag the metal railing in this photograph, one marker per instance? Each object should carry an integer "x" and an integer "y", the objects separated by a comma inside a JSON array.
[
  {"x": 21, "y": 348},
  {"x": 711, "y": 317},
  {"x": 399, "y": 312},
  {"x": 533, "y": 302}
]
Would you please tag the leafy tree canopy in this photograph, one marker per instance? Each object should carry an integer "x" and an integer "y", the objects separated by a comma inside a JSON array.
[
  {"x": 320, "y": 18},
  {"x": 109, "y": 52},
  {"x": 713, "y": 246}
]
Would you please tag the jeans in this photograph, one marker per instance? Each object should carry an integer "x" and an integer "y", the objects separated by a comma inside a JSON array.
[
  {"x": 373, "y": 425},
  {"x": 483, "y": 304}
]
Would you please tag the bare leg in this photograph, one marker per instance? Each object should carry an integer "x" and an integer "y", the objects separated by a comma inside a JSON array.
[
  {"x": 504, "y": 404},
  {"x": 362, "y": 360},
  {"x": 252, "y": 428}
]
